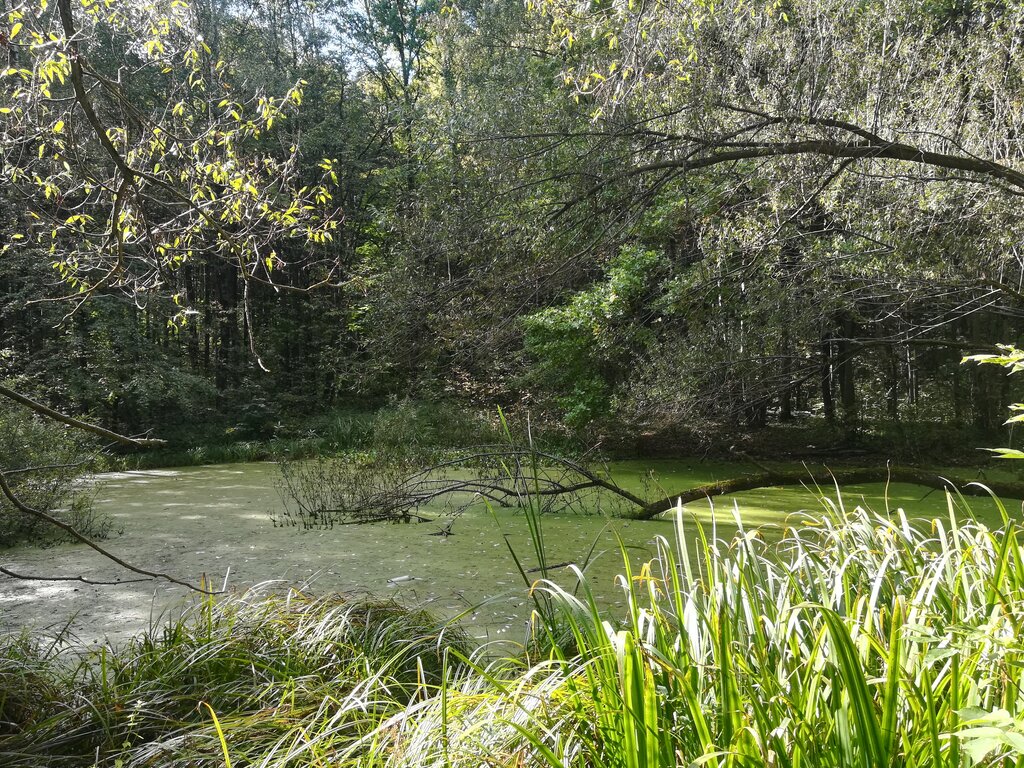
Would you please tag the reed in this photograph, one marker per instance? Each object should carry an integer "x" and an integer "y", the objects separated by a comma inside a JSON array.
[
  {"x": 858, "y": 640},
  {"x": 848, "y": 640}
]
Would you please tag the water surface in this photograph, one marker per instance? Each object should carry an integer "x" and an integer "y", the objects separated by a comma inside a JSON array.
[{"x": 213, "y": 523}]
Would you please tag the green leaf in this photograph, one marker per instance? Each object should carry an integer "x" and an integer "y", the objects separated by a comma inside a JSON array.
[{"x": 1006, "y": 453}]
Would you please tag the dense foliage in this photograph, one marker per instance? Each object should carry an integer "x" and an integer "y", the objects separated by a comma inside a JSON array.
[{"x": 626, "y": 217}]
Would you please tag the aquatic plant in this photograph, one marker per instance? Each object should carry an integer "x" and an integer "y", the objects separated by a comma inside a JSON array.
[
  {"x": 848, "y": 640},
  {"x": 858, "y": 640}
]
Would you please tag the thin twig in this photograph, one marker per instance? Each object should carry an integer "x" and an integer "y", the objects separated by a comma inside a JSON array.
[
  {"x": 44, "y": 468},
  {"x": 92, "y": 582},
  {"x": 75, "y": 534}
]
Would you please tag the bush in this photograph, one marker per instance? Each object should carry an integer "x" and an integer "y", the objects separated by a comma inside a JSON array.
[{"x": 44, "y": 461}]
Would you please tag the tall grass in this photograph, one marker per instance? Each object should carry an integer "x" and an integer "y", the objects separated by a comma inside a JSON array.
[
  {"x": 856, "y": 641},
  {"x": 852, "y": 640},
  {"x": 255, "y": 674}
]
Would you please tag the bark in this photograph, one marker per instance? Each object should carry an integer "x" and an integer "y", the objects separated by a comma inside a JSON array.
[
  {"x": 892, "y": 392},
  {"x": 828, "y": 479},
  {"x": 846, "y": 373},
  {"x": 138, "y": 442}
]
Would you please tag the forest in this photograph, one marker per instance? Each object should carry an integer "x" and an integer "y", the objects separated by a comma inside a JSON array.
[
  {"x": 660, "y": 238},
  {"x": 542, "y": 279}
]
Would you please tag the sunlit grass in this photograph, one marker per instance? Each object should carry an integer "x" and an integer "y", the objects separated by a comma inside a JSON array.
[
  {"x": 851, "y": 639},
  {"x": 272, "y": 666},
  {"x": 858, "y": 640}
]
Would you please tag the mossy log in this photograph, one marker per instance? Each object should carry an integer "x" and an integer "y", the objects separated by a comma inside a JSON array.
[{"x": 829, "y": 479}]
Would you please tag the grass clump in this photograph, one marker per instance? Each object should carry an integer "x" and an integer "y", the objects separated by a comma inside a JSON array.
[
  {"x": 857, "y": 640},
  {"x": 30, "y": 692},
  {"x": 265, "y": 668}
]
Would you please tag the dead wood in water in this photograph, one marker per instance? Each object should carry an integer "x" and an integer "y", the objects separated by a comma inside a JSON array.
[
  {"x": 829, "y": 478},
  {"x": 328, "y": 492},
  {"x": 324, "y": 492}
]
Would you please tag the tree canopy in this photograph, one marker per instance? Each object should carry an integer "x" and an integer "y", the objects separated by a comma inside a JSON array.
[{"x": 630, "y": 218}]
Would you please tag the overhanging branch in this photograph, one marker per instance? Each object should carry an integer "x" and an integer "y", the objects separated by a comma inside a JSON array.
[
  {"x": 859, "y": 150},
  {"x": 24, "y": 508},
  {"x": 695, "y": 153},
  {"x": 50, "y": 413}
]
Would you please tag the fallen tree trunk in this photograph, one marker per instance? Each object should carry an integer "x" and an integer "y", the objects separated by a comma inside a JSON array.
[
  {"x": 830, "y": 479},
  {"x": 338, "y": 491}
]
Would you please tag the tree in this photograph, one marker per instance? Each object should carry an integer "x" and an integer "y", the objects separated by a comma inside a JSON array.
[
  {"x": 389, "y": 37},
  {"x": 802, "y": 160},
  {"x": 120, "y": 186},
  {"x": 129, "y": 154}
]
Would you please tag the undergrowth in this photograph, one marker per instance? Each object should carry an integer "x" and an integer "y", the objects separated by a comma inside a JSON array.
[
  {"x": 270, "y": 666},
  {"x": 425, "y": 430},
  {"x": 853, "y": 640},
  {"x": 858, "y": 640}
]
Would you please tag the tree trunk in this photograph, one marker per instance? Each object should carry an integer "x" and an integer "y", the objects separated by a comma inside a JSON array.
[
  {"x": 892, "y": 394},
  {"x": 829, "y": 480},
  {"x": 828, "y": 403},
  {"x": 846, "y": 373}
]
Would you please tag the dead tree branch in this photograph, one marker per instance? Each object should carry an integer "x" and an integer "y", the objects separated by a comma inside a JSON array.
[
  {"x": 829, "y": 479},
  {"x": 518, "y": 476},
  {"x": 74, "y": 533},
  {"x": 50, "y": 413},
  {"x": 325, "y": 492},
  {"x": 80, "y": 579}
]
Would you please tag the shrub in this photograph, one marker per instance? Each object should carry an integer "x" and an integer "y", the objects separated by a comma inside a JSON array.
[{"x": 44, "y": 461}]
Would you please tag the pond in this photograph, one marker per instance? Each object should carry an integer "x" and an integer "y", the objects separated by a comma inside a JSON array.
[{"x": 214, "y": 522}]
